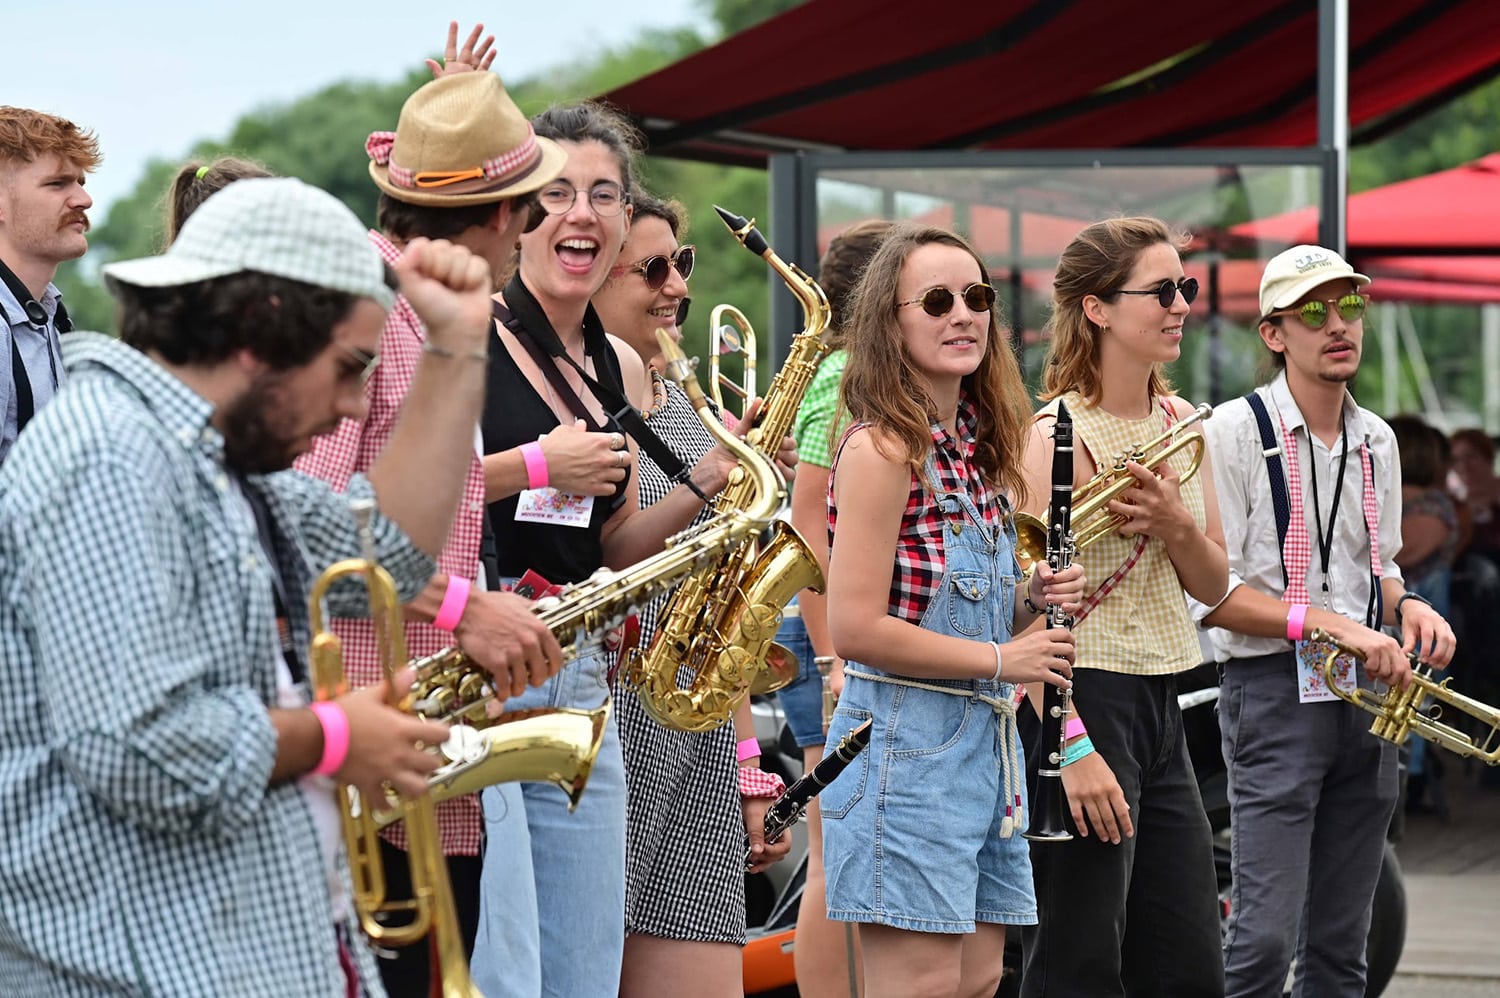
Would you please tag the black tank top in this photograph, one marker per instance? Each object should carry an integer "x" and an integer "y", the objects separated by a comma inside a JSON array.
[{"x": 515, "y": 413}]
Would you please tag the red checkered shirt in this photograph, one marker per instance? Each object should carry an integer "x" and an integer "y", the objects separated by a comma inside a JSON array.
[
  {"x": 352, "y": 448},
  {"x": 919, "y": 564}
]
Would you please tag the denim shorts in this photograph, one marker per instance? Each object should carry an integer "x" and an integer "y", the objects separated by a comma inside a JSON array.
[
  {"x": 911, "y": 830},
  {"x": 802, "y": 700}
]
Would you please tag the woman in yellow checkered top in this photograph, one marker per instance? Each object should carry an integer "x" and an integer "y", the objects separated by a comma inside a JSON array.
[{"x": 1129, "y": 905}]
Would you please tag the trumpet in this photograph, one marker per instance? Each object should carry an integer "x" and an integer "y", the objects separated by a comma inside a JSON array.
[
  {"x": 431, "y": 905},
  {"x": 733, "y": 338},
  {"x": 1091, "y": 517},
  {"x": 1399, "y": 713}
]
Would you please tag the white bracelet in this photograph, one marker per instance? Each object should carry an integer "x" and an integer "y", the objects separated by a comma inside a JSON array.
[{"x": 996, "y": 677}]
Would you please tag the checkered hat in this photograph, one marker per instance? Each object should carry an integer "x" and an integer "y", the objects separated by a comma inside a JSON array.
[{"x": 273, "y": 225}]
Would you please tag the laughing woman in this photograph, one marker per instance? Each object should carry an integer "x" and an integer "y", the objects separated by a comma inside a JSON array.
[
  {"x": 922, "y": 835},
  {"x": 553, "y": 893}
]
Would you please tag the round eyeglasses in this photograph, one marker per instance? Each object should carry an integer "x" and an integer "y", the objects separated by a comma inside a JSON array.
[
  {"x": 656, "y": 269},
  {"x": 1166, "y": 292},
  {"x": 1314, "y": 314},
  {"x": 938, "y": 302},
  {"x": 606, "y": 198}
]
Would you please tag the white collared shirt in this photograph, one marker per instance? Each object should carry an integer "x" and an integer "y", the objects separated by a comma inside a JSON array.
[{"x": 1249, "y": 520}]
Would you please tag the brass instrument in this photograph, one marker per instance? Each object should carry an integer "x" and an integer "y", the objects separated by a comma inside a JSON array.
[
  {"x": 1091, "y": 518},
  {"x": 824, "y": 665},
  {"x": 1399, "y": 713},
  {"x": 735, "y": 338},
  {"x": 721, "y": 622},
  {"x": 431, "y": 904}
]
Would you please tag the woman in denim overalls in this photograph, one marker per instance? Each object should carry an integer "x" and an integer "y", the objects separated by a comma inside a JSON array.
[{"x": 922, "y": 840}]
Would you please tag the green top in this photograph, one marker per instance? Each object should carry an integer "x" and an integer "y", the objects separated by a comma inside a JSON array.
[{"x": 816, "y": 416}]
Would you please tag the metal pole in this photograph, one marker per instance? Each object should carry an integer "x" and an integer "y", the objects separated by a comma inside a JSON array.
[
  {"x": 1333, "y": 120},
  {"x": 1490, "y": 351}
]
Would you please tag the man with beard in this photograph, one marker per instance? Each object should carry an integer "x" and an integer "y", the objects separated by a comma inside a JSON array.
[
  {"x": 43, "y": 221},
  {"x": 1309, "y": 490},
  {"x": 461, "y": 165},
  {"x": 179, "y": 835}
]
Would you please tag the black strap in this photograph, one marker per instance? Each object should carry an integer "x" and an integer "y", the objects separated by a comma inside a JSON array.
[
  {"x": 37, "y": 316},
  {"x": 532, "y": 328},
  {"x": 284, "y": 630},
  {"x": 1281, "y": 501}
]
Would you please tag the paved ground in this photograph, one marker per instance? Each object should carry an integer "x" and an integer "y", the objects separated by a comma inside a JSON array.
[{"x": 1452, "y": 868}]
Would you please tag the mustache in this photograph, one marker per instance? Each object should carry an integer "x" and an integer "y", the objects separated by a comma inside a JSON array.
[{"x": 79, "y": 217}]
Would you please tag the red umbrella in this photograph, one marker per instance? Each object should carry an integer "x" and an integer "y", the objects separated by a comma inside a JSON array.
[{"x": 1451, "y": 212}]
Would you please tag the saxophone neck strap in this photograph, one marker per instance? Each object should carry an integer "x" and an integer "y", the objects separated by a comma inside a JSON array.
[{"x": 545, "y": 346}]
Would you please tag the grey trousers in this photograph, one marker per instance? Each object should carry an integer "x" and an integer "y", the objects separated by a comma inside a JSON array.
[{"x": 1311, "y": 793}]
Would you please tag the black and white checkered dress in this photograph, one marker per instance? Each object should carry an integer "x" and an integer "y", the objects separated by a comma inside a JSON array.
[{"x": 685, "y": 831}]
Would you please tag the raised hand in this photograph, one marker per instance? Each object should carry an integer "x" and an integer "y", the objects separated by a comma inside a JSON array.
[
  {"x": 469, "y": 58},
  {"x": 449, "y": 288}
]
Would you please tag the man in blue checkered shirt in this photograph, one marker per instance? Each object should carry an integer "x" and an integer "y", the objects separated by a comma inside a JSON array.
[{"x": 166, "y": 796}]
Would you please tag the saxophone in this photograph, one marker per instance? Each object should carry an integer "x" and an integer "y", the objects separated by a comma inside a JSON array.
[
  {"x": 450, "y": 687},
  {"x": 721, "y": 622}
]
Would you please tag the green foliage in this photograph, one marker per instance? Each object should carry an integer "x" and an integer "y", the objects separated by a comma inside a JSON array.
[{"x": 734, "y": 16}]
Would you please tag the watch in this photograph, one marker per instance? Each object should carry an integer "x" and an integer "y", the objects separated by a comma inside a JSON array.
[{"x": 1403, "y": 599}]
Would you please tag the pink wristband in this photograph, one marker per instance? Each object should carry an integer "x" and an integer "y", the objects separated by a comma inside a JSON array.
[
  {"x": 454, "y": 601},
  {"x": 536, "y": 465},
  {"x": 1295, "y": 617},
  {"x": 1074, "y": 728},
  {"x": 335, "y": 736},
  {"x": 748, "y": 748}
]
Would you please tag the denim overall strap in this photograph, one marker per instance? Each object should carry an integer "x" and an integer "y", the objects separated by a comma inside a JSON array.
[{"x": 975, "y": 600}]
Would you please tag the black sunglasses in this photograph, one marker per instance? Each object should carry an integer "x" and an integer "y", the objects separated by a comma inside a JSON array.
[
  {"x": 655, "y": 269},
  {"x": 1166, "y": 291},
  {"x": 938, "y": 302},
  {"x": 1315, "y": 313},
  {"x": 682, "y": 312}
]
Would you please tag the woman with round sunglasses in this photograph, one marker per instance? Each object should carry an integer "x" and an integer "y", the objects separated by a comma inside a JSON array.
[
  {"x": 1129, "y": 905},
  {"x": 560, "y": 479},
  {"x": 922, "y": 841},
  {"x": 687, "y": 819}
]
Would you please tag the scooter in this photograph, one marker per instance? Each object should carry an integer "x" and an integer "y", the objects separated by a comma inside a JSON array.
[{"x": 772, "y": 897}]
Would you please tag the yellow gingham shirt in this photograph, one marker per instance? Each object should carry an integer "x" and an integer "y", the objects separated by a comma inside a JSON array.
[{"x": 1142, "y": 628}]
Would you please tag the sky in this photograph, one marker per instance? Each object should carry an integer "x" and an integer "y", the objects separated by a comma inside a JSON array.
[{"x": 153, "y": 77}]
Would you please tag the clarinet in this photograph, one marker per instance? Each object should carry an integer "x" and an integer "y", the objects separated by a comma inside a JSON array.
[
  {"x": 1049, "y": 807},
  {"x": 789, "y": 806}
]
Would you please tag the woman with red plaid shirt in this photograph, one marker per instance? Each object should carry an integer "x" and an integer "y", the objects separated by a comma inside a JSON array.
[{"x": 922, "y": 841}]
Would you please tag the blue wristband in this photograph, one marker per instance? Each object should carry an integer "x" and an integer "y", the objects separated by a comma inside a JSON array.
[{"x": 1078, "y": 750}]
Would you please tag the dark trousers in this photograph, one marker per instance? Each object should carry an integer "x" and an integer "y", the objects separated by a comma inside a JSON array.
[
  {"x": 1311, "y": 793},
  {"x": 406, "y": 970},
  {"x": 1139, "y": 918}
]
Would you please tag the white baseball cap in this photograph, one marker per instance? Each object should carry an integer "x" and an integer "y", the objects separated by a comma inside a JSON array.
[
  {"x": 1293, "y": 273},
  {"x": 273, "y": 225}
]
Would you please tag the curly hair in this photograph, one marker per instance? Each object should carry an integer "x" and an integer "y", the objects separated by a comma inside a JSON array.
[
  {"x": 1097, "y": 262},
  {"x": 880, "y": 386},
  {"x": 669, "y": 210},
  {"x": 839, "y": 270},
  {"x": 283, "y": 322},
  {"x": 26, "y": 134}
]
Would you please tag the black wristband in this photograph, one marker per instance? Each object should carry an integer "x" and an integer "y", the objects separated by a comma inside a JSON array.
[{"x": 1403, "y": 599}]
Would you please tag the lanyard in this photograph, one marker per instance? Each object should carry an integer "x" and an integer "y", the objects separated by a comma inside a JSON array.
[{"x": 1325, "y": 544}]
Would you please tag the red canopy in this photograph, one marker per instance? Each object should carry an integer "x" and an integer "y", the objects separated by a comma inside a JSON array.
[
  {"x": 1014, "y": 74},
  {"x": 1454, "y": 211}
]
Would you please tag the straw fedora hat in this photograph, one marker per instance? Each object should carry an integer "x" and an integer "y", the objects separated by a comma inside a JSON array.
[{"x": 461, "y": 140}]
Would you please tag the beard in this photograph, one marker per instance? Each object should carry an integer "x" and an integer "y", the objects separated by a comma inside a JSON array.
[{"x": 253, "y": 444}]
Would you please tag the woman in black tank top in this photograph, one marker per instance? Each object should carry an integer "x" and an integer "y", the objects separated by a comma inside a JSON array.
[{"x": 552, "y": 877}]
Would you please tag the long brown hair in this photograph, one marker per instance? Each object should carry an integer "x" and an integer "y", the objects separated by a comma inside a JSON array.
[
  {"x": 1097, "y": 262},
  {"x": 880, "y": 386}
]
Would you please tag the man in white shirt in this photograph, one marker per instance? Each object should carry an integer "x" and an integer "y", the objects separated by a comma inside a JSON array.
[
  {"x": 1309, "y": 491},
  {"x": 43, "y": 221}
]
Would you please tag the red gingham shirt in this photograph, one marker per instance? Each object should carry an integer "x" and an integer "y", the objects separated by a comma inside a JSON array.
[
  {"x": 352, "y": 448},
  {"x": 920, "y": 562}
]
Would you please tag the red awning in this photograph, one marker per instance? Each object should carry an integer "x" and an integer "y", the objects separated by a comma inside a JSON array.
[
  {"x": 1453, "y": 211},
  {"x": 1029, "y": 74}
]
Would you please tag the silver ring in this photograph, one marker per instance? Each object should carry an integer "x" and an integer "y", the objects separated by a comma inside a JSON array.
[{"x": 619, "y": 459}]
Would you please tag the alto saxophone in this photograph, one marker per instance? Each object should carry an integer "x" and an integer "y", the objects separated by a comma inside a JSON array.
[
  {"x": 721, "y": 622},
  {"x": 450, "y": 687}
]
